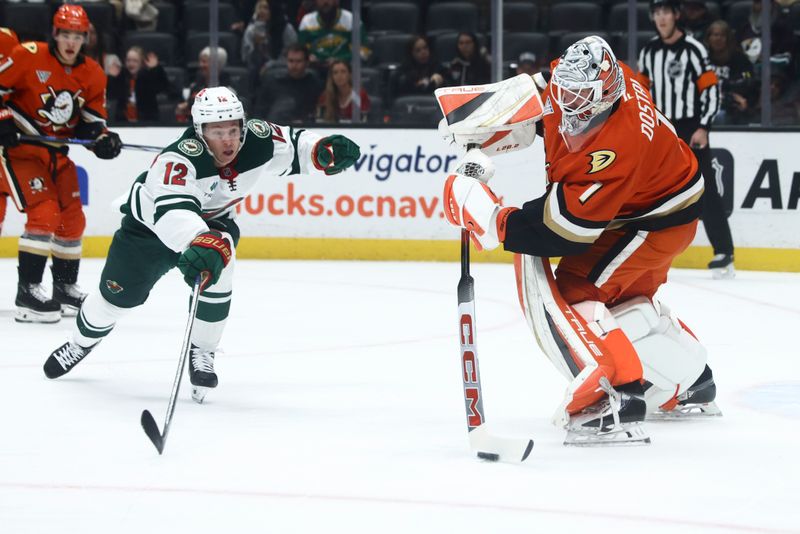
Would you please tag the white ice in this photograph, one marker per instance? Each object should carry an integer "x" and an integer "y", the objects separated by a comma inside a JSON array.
[{"x": 340, "y": 409}]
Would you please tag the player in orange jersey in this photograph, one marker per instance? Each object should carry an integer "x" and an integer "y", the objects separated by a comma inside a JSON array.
[
  {"x": 51, "y": 90},
  {"x": 622, "y": 202},
  {"x": 8, "y": 40}
]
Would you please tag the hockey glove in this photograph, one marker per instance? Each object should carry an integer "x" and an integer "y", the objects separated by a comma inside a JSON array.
[
  {"x": 335, "y": 153},
  {"x": 472, "y": 205},
  {"x": 8, "y": 129},
  {"x": 209, "y": 252},
  {"x": 107, "y": 146}
]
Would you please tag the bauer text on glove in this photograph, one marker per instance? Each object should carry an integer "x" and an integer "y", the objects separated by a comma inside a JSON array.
[
  {"x": 472, "y": 205},
  {"x": 335, "y": 153},
  {"x": 209, "y": 252}
]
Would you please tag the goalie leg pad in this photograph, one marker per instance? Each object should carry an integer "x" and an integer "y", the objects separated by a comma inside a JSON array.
[{"x": 671, "y": 356}]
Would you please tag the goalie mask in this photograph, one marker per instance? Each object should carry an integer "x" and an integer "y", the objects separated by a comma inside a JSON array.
[
  {"x": 586, "y": 82},
  {"x": 217, "y": 104}
]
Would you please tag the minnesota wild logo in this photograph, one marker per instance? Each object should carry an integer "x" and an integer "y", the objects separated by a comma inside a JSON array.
[
  {"x": 190, "y": 147},
  {"x": 113, "y": 286},
  {"x": 259, "y": 128}
]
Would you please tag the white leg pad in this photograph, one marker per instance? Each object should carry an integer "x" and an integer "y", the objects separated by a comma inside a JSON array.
[{"x": 671, "y": 357}]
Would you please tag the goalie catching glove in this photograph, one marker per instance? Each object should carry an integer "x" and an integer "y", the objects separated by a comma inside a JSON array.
[
  {"x": 335, "y": 153},
  {"x": 472, "y": 205},
  {"x": 209, "y": 253}
]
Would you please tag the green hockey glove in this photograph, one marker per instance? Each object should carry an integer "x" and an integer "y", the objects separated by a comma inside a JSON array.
[
  {"x": 209, "y": 252},
  {"x": 335, "y": 153}
]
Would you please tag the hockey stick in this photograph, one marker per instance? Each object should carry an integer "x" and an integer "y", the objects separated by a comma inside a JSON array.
[
  {"x": 486, "y": 446},
  {"x": 148, "y": 422},
  {"x": 84, "y": 142}
]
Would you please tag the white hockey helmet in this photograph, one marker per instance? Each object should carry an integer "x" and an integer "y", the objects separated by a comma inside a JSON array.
[
  {"x": 217, "y": 104},
  {"x": 587, "y": 81}
]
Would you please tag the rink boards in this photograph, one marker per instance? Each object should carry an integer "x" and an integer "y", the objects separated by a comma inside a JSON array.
[{"x": 388, "y": 207}]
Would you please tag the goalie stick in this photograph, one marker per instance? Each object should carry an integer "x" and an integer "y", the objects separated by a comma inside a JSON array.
[
  {"x": 148, "y": 422},
  {"x": 485, "y": 445}
]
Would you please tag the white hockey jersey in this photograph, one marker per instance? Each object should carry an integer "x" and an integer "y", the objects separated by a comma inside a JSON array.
[{"x": 183, "y": 188}]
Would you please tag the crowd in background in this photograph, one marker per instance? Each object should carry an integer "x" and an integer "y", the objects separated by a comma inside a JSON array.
[{"x": 290, "y": 59}]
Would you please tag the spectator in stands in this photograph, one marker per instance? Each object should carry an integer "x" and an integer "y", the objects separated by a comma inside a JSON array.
[
  {"x": 420, "y": 73},
  {"x": 267, "y": 36},
  {"x": 737, "y": 82},
  {"x": 526, "y": 64},
  {"x": 336, "y": 101},
  {"x": 470, "y": 66},
  {"x": 135, "y": 88},
  {"x": 142, "y": 13},
  {"x": 785, "y": 105},
  {"x": 782, "y": 39},
  {"x": 202, "y": 80},
  {"x": 696, "y": 18},
  {"x": 289, "y": 96},
  {"x": 327, "y": 33},
  {"x": 95, "y": 48}
]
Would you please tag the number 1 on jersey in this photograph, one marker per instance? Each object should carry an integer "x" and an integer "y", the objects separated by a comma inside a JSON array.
[{"x": 179, "y": 177}]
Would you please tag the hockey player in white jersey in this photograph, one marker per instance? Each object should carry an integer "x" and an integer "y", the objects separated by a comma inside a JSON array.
[{"x": 180, "y": 212}]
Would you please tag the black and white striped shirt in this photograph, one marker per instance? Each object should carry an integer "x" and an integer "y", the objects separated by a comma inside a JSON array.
[{"x": 682, "y": 80}]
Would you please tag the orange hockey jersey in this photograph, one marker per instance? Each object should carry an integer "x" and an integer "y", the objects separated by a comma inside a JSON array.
[
  {"x": 47, "y": 97},
  {"x": 8, "y": 40},
  {"x": 633, "y": 171}
]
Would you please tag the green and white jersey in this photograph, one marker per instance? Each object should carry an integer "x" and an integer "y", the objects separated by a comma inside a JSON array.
[
  {"x": 183, "y": 188},
  {"x": 327, "y": 43}
]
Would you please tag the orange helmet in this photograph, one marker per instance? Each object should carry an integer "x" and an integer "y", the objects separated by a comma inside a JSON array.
[{"x": 71, "y": 17}]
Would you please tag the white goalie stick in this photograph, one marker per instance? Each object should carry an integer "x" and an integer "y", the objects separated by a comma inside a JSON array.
[{"x": 485, "y": 445}]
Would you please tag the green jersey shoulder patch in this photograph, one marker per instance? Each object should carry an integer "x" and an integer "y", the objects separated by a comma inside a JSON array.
[
  {"x": 259, "y": 128},
  {"x": 191, "y": 147}
]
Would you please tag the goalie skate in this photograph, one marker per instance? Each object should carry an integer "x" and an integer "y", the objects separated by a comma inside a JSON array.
[
  {"x": 615, "y": 420},
  {"x": 201, "y": 373},
  {"x": 695, "y": 402}
]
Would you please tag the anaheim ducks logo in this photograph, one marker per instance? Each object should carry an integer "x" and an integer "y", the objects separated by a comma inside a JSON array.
[
  {"x": 600, "y": 159},
  {"x": 60, "y": 109}
]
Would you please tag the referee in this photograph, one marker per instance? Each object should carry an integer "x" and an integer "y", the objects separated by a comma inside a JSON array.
[{"x": 685, "y": 89}]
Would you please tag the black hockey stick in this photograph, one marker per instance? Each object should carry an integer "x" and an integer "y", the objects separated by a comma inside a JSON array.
[
  {"x": 85, "y": 142},
  {"x": 148, "y": 422}
]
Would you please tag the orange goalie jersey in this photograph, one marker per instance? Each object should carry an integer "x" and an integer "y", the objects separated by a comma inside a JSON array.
[
  {"x": 8, "y": 40},
  {"x": 48, "y": 98},
  {"x": 633, "y": 173}
]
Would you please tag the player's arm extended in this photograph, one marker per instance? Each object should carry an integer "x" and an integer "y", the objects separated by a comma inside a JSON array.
[
  {"x": 305, "y": 152},
  {"x": 169, "y": 201}
]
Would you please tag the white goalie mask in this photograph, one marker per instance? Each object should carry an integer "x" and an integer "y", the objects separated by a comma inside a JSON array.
[
  {"x": 217, "y": 104},
  {"x": 587, "y": 81}
]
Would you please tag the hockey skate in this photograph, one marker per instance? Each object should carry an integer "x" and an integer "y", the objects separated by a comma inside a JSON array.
[
  {"x": 721, "y": 266},
  {"x": 69, "y": 296},
  {"x": 64, "y": 358},
  {"x": 34, "y": 306},
  {"x": 201, "y": 372},
  {"x": 697, "y": 401},
  {"x": 614, "y": 420}
]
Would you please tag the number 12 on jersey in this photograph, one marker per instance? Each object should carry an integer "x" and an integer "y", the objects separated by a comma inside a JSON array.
[{"x": 175, "y": 174}]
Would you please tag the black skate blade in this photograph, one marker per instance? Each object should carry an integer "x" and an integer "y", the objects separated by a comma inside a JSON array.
[{"x": 151, "y": 429}]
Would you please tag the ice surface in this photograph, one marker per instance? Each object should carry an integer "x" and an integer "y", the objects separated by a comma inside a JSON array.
[{"x": 340, "y": 410}]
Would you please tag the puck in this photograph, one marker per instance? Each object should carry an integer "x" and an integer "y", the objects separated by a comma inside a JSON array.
[{"x": 490, "y": 456}]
